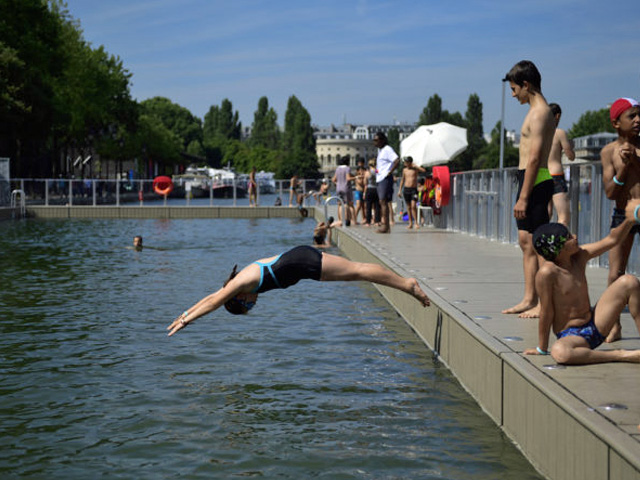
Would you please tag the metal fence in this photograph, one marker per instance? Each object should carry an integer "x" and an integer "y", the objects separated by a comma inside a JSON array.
[
  {"x": 116, "y": 192},
  {"x": 482, "y": 205}
]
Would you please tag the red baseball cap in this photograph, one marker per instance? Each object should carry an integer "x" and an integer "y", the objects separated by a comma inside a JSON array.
[{"x": 621, "y": 105}]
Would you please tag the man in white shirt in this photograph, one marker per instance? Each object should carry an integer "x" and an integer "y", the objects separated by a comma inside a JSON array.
[{"x": 386, "y": 163}]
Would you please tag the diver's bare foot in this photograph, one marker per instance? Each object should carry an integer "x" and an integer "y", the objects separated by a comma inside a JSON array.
[
  {"x": 519, "y": 308},
  {"x": 418, "y": 294},
  {"x": 615, "y": 333},
  {"x": 383, "y": 230},
  {"x": 531, "y": 313}
]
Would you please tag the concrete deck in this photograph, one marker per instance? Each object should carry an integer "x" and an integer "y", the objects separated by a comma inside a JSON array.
[{"x": 559, "y": 416}]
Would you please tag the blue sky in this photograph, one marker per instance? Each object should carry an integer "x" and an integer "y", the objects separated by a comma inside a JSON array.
[{"x": 369, "y": 61}]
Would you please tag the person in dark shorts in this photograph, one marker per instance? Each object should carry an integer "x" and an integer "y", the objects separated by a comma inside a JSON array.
[
  {"x": 535, "y": 184},
  {"x": 386, "y": 163},
  {"x": 537, "y": 212},
  {"x": 561, "y": 143},
  {"x": 409, "y": 189},
  {"x": 239, "y": 293}
]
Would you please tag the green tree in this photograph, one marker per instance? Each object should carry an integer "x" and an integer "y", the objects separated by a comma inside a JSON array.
[
  {"x": 221, "y": 125},
  {"x": 175, "y": 118},
  {"x": 299, "y": 144},
  {"x": 475, "y": 135},
  {"x": 264, "y": 130},
  {"x": 158, "y": 143},
  {"x": 56, "y": 91},
  {"x": 31, "y": 58},
  {"x": 432, "y": 113},
  {"x": 490, "y": 156},
  {"x": 592, "y": 122}
]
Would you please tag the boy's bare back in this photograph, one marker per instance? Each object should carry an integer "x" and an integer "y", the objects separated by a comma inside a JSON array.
[
  {"x": 568, "y": 291},
  {"x": 559, "y": 144}
]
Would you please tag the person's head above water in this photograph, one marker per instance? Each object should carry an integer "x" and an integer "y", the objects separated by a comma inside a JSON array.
[
  {"x": 549, "y": 239},
  {"x": 238, "y": 305},
  {"x": 137, "y": 242}
]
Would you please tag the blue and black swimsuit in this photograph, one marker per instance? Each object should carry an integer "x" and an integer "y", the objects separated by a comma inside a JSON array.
[{"x": 289, "y": 268}]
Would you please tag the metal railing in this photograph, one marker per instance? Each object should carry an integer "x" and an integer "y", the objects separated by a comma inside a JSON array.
[
  {"x": 482, "y": 205},
  {"x": 21, "y": 204},
  {"x": 95, "y": 192}
]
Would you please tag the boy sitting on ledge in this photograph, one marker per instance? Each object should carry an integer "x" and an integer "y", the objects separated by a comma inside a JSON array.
[{"x": 561, "y": 284}]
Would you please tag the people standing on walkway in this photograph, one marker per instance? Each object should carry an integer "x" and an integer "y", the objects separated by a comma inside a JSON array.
[
  {"x": 295, "y": 191},
  {"x": 409, "y": 190},
  {"x": 252, "y": 187},
  {"x": 386, "y": 163},
  {"x": 342, "y": 179},
  {"x": 239, "y": 293},
  {"x": 358, "y": 193},
  {"x": 565, "y": 307},
  {"x": 621, "y": 180},
  {"x": 535, "y": 185},
  {"x": 371, "y": 195},
  {"x": 323, "y": 192},
  {"x": 561, "y": 143}
]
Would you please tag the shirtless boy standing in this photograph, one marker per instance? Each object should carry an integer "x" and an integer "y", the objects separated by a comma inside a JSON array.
[
  {"x": 561, "y": 283},
  {"x": 409, "y": 189},
  {"x": 535, "y": 186},
  {"x": 560, "y": 143},
  {"x": 621, "y": 179}
]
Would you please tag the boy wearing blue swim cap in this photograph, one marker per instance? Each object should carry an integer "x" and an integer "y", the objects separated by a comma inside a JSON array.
[{"x": 565, "y": 308}]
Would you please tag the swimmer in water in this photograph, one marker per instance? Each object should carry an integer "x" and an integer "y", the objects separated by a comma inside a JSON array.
[
  {"x": 239, "y": 293},
  {"x": 322, "y": 233},
  {"x": 137, "y": 242}
]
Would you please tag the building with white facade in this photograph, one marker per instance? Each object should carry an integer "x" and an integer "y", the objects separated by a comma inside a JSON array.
[{"x": 354, "y": 140}]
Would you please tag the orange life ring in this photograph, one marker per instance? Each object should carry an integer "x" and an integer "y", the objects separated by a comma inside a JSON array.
[
  {"x": 443, "y": 184},
  {"x": 163, "y": 185}
]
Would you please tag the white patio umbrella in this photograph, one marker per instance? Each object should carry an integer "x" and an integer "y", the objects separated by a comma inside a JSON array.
[{"x": 434, "y": 144}]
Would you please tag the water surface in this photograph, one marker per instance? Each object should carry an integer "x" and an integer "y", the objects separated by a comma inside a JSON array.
[{"x": 323, "y": 380}]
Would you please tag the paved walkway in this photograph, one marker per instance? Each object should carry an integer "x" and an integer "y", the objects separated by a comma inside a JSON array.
[{"x": 480, "y": 278}]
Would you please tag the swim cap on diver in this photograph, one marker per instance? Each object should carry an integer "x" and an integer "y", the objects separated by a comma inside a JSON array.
[
  {"x": 620, "y": 106},
  {"x": 548, "y": 240}
]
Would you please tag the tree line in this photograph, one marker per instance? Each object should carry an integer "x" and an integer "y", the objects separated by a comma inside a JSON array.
[{"x": 61, "y": 96}]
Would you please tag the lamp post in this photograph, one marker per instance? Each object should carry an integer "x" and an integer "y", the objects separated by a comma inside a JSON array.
[{"x": 502, "y": 129}]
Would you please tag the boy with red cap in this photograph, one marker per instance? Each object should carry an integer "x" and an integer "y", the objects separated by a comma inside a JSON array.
[{"x": 621, "y": 179}]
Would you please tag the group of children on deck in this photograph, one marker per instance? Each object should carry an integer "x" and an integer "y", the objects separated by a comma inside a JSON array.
[{"x": 554, "y": 263}]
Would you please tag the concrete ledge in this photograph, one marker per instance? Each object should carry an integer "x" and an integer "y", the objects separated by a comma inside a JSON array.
[{"x": 160, "y": 212}]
